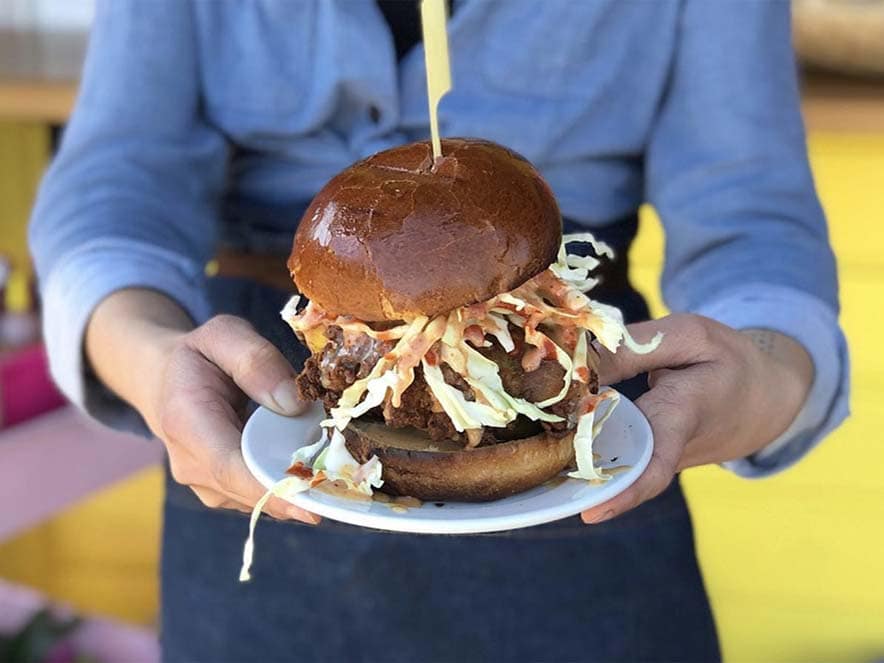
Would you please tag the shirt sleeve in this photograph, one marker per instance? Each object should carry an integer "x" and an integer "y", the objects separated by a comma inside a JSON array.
[
  {"x": 727, "y": 171},
  {"x": 130, "y": 199}
]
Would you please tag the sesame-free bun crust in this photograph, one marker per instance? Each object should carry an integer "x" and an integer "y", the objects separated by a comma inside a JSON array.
[
  {"x": 394, "y": 236},
  {"x": 415, "y": 465}
]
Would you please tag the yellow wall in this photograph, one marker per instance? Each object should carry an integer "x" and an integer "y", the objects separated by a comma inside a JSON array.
[
  {"x": 794, "y": 564},
  {"x": 24, "y": 148},
  {"x": 100, "y": 555}
]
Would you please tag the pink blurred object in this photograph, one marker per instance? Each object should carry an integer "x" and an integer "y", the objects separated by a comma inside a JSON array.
[
  {"x": 26, "y": 390},
  {"x": 50, "y": 462},
  {"x": 102, "y": 639}
]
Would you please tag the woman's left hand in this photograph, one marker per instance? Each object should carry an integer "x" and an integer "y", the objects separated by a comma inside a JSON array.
[{"x": 716, "y": 394}]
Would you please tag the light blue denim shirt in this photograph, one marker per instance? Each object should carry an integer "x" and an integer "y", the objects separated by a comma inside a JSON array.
[{"x": 199, "y": 121}]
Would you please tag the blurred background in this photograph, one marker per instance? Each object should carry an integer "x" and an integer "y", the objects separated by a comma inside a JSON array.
[{"x": 794, "y": 564}]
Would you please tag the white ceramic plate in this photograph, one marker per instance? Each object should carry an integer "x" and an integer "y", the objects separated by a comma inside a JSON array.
[{"x": 269, "y": 440}]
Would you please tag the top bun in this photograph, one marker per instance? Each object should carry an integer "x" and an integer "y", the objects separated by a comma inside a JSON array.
[{"x": 394, "y": 236}]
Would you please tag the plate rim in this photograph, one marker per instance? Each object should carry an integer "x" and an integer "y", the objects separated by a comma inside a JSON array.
[{"x": 394, "y": 522}]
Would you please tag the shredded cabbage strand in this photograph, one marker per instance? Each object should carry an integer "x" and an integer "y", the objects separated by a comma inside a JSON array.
[
  {"x": 587, "y": 430},
  {"x": 331, "y": 461},
  {"x": 283, "y": 488}
]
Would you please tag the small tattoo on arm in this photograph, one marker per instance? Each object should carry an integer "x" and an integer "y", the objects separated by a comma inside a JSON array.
[{"x": 764, "y": 339}]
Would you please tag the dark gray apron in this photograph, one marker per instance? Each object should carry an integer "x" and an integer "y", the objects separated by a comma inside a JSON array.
[{"x": 625, "y": 590}]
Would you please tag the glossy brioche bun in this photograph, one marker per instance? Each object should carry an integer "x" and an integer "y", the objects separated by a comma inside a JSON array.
[
  {"x": 393, "y": 236},
  {"x": 416, "y": 466}
]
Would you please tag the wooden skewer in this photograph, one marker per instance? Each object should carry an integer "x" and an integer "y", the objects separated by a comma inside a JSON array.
[{"x": 433, "y": 20}]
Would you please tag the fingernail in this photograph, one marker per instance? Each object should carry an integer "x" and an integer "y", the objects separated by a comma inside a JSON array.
[
  {"x": 285, "y": 395},
  {"x": 607, "y": 515},
  {"x": 298, "y": 514}
]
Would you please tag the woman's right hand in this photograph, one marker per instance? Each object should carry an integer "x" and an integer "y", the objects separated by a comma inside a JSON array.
[{"x": 192, "y": 387}]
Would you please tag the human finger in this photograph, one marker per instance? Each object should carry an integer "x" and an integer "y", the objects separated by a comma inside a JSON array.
[
  {"x": 254, "y": 364},
  {"x": 685, "y": 341},
  {"x": 275, "y": 507},
  {"x": 205, "y": 451},
  {"x": 673, "y": 421}
]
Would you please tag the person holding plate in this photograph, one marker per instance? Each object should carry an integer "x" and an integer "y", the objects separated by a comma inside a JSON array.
[{"x": 202, "y": 131}]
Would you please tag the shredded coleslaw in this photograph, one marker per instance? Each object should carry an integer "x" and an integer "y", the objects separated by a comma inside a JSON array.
[{"x": 553, "y": 298}]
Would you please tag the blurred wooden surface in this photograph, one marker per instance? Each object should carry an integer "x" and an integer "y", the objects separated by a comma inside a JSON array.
[
  {"x": 38, "y": 74},
  {"x": 840, "y": 103}
]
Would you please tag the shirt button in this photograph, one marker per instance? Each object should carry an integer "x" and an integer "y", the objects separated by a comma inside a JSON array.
[{"x": 374, "y": 113}]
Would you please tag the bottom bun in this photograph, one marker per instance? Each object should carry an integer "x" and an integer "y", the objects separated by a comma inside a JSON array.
[{"x": 417, "y": 466}]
